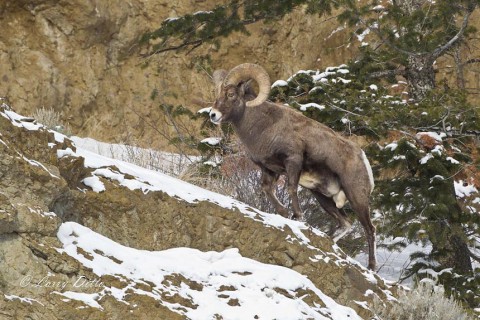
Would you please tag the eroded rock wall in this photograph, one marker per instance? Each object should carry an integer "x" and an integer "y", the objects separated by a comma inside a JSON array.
[{"x": 82, "y": 58}]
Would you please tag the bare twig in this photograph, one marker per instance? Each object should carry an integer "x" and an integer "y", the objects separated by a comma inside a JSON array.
[
  {"x": 344, "y": 110},
  {"x": 387, "y": 73}
]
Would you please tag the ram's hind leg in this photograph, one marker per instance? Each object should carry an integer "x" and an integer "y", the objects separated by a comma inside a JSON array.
[
  {"x": 269, "y": 179},
  {"x": 364, "y": 218},
  {"x": 344, "y": 225},
  {"x": 293, "y": 168},
  {"x": 360, "y": 204}
]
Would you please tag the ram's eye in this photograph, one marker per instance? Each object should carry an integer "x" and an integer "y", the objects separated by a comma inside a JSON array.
[{"x": 231, "y": 94}]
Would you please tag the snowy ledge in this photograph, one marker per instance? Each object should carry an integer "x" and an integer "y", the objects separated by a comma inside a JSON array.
[
  {"x": 254, "y": 289},
  {"x": 147, "y": 181}
]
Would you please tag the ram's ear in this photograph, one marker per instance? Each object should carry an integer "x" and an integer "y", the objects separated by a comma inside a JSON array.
[{"x": 245, "y": 87}]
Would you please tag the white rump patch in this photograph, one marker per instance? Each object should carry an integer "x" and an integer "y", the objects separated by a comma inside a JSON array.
[{"x": 369, "y": 170}]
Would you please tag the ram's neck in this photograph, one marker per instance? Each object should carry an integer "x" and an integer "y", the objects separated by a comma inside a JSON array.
[{"x": 254, "y": 124}]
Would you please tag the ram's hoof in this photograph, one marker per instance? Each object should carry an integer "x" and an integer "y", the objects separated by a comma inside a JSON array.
[
  {"x": 342, "y": 232},
  {"x": 298, "y": 217}
]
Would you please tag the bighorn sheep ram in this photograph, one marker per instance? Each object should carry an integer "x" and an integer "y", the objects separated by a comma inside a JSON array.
[{"x": 282, "y": 141}]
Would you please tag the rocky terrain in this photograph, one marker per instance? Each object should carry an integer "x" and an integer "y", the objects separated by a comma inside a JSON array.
[
  {"x": 87, "y": 237},
  {"x": 82, "y": 58}
]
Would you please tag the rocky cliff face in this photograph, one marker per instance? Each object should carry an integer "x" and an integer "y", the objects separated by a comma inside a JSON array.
[
  {"x": 52, "y": 267},
  {"x": 82, "y": 58}
]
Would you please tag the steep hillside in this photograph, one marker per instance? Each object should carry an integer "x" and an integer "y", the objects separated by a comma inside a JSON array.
[
  {"x": 88, "y": 237},
  {"x": 82, "y": 58}
]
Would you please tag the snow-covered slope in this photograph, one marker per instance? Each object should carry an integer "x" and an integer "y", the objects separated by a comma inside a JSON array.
[
  {"x": 191, "y": 283},
  {"x": 226, "y": 284},
  {"x": 392, "y": 264}
]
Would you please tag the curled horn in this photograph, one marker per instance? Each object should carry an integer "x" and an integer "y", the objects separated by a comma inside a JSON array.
[
  {"x": 218, "y": 77},
  {"x": 248, "y": 71}
]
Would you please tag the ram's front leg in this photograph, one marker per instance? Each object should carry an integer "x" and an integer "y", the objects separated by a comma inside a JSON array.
[
  {"x": 293, "y": 166},
  {"x": 269, "y": 179}
]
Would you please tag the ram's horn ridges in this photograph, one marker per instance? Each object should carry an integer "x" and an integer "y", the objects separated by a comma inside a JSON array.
[
  {"x": 218, "y": 77},
  {"x": 248, "y": 71}
]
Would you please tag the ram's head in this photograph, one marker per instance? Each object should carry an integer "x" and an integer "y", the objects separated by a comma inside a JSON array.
[{"x": 234, "y": 93}]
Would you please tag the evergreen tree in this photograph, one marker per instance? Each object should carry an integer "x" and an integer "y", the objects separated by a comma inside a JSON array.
[
  {"x": 426, "y": 162},
  {"x": 411, "y": 34},
  {"x": 422, "y": 178}
]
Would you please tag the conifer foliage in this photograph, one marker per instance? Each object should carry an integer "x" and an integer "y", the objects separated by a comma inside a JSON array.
[
  {"x": 409, "y": 34},
  {"x": 425, "y": 149},
  {"x": 426, "y": 163}
]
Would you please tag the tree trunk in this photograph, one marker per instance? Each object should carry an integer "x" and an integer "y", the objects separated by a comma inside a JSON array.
[
  {"x": 449, "y": 241},
  {"x": 460, "y": 69},
  {"x": 463, "y": 263},
  {"x": 420, "y": 75},
  {"x": 455, "y": 250}
]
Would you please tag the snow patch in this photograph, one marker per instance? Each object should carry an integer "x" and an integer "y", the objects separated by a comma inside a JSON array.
[
  {"x": 392, "y": 146},
  {"x": 13, "y": 297},
  {"x": 66, "y": 152},
  {"x": 452, "y": 160},
  {"x": 464, "y": 189},
  {"x": 280, "y": 83},
  {"x": 149, "y": 158},
  {"x": 36, "y": 163},
  {"x": 213, "y": 141},
  {"x": 87, "y": 298},
  {"x": 20, "y": 121},
  {"x": 94, "y": 183},
  {"x": 362, "y": 35},
  {"x": 425, "y": 159},
  {"x": 253, "y": 283},
  {"x": 304, "y": 107}
]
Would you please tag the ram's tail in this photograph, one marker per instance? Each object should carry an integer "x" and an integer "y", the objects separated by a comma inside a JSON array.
[{"x": 369, "y": 170}]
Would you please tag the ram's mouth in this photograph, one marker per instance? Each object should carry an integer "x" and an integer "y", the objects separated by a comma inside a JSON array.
[{"x": 217, "y": 121}]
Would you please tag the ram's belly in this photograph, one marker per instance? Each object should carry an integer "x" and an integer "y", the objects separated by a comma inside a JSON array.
[
  {"x": 308, "y": 180},
  {"x": 328, "y": 186}
]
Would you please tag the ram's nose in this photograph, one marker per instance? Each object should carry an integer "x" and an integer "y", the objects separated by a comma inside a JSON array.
[{"x": 215, "y": 116}]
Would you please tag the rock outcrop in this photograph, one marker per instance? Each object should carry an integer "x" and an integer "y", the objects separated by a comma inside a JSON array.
[
  {"x": 45, "y": 182},
  {"x": 82, "y": 58}
]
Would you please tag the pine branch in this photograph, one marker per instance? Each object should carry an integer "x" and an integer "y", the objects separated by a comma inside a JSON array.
[
  {"x": 185, "y": 44},
  {"x": 198, "y": 42},
  {"x": 433, "y": 54},
  {"x": 380, "y": 36},
  {"x": 442, "y": 49},
  {"x": 230, "y": 22},
  {"x": 474, "y": 60},
  {"x": 386, "y": 73}
]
